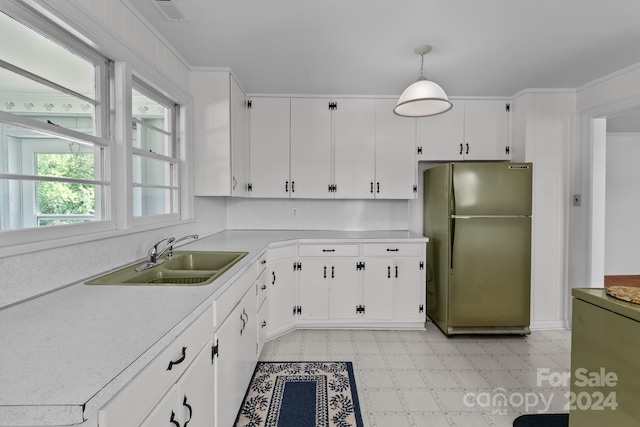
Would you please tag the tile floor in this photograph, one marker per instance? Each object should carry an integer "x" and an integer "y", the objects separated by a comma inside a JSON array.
[{"x": 423, "y": 378}]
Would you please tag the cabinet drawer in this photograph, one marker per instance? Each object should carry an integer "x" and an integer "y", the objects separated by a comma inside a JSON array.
[
  {"x": 137, "y": 399},
  {"x": 328, "y": 250},
  {"x": 393, "y": 249},
  {"x": 225, "y": 304},
  {"x": 262, "y": 288},
  {"x": 284, "y": 252},
  {"x": 261, "y": 264}
]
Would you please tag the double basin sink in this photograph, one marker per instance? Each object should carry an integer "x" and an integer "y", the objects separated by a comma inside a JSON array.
[{"x": 190, "y": 268}]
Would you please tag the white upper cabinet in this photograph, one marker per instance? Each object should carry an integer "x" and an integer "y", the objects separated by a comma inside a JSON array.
[
  {"x": 311, "y": 151},
  {"x": 486, "y": 130},
  {"x": 395, "y": 163},
  {"x": 239, "y": 140},
  {"x": 472, "y": 130},
  {"x": 220, "y": 135},
  {"x": 354, "y": 152},
  {"x": 439, "y": 137},
  {"x": 269, "y": 147}
]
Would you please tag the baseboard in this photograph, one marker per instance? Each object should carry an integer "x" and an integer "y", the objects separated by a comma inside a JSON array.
[{"x": 549, "y": 325}]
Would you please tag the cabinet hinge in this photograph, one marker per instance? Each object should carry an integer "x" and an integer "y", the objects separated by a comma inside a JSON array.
[
  {"x": 297, "y": 266},
  {"x": 360, "y": 265},
  {"x": 419, "y": 150},
  {"x": 421, "y": 265},
  {"x": 506, "y": 149},
  {"x": 214, "y": 350},
  {"x": 359, "y": 309},
  {"x": 508, "y": 107},
  {"x": 249, "y": 186},
  {"x": 421, "y": 308},
  {"x": 248, "y": 103},
  {"x": 297, "y": 309},
  {"x": 333, "y": 105},
  {"x": 333, "y": 188},
  {"x": 415, "y": 188}
]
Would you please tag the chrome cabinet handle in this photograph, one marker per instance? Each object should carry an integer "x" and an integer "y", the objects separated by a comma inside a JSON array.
[
  {"x": 274, "y": 278},
  {"x": 286, "y": 186},
  {"x": 467, "y": 152},
  {"x": 332, "y": 272},
  {"x": 461, "y": 149},
  {"x": 388, "y": 272},
  {"x": 184, "y": 403},
  {"x": 325, "y": 272},
  {"x": 396, "y": 271},
  {"x": 393, "y": 250},
  {"x": 179, "y": 361}
]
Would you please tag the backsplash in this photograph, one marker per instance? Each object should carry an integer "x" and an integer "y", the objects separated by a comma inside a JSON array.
[{"x": 308, "y": 214}]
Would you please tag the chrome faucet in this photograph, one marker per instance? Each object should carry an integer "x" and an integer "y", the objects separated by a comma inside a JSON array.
[
  {"x": 154, "y": 254},
  {"x": 170, "y": 245}
]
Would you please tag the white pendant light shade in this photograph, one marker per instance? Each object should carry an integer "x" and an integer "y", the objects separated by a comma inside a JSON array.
[{"x": 424, "y": 97}]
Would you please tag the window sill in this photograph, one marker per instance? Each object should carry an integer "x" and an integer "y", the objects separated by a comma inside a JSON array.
[{"x": 57, "y": 242}]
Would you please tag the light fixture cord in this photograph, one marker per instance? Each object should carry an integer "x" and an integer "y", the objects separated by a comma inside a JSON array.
[{"x": 422, "y": 65}]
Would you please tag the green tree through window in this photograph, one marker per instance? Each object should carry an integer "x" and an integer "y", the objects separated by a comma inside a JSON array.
[{"x": 72, "y": 202}]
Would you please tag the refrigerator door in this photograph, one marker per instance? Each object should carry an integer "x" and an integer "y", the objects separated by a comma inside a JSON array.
[
  {"x": 490, "y": 272},
  {"x": 437, "y": 224},
  {"x": 492, "y": 188}
]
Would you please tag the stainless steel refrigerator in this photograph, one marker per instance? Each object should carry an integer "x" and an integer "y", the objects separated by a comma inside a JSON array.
[{"x": 478, "y": 220}]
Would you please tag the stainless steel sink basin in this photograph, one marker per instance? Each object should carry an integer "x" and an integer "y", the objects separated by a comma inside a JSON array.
[{"x": 186, "y": 268}]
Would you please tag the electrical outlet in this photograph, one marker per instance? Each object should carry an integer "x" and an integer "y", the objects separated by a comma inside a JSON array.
[
  {"x": 294, "y": 212},
  {"x": 577, "y": 200}
]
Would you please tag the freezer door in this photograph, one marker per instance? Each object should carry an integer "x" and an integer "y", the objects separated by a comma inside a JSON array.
[
  {"x": 492, "y": 188},
  {"x": 490, "y": 272}
]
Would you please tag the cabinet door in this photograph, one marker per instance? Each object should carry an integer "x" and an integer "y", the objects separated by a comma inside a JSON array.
[
  {"x": 377, "y": 288},
  {"x": 310, "y": 147},
  {"x": 313, "y": 289},
  {"x": 408, "y": 289},
  {"x": 439, "y": 137},
  {"x": 396, "y": 166},
  {"x": 282, "y": 285},
  {"x": 354, "y": 148},
  {"x": 269, "y": 147},
  {"x": 196, "y": 391},
  {"x": 166, "y": 413},
  {"x": 239, "y": 140},
  {"x": 248, "y": 356},
  {"x": 486, "y": 130},
  {"x": 228, "y": 390},
  {"x": 344, "y": 290}
]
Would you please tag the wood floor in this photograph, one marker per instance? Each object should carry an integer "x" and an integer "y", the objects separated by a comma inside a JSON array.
[{"x": 622, "y": 281}]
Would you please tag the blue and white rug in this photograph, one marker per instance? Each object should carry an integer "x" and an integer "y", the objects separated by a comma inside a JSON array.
[{"x": 301, "y": 394}]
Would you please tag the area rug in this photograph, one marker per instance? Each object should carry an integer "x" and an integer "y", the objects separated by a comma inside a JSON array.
[
  {"x": 542, "y": 420},
  {"x": 301, "y": 394}
]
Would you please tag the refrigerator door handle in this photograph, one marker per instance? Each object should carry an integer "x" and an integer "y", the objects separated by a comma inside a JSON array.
[{"x": 453, "y": 238}]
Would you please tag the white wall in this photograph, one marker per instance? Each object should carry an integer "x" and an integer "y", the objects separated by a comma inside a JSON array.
[
  {"x": 622, "y": 230},
  {"x": 247, "y": 213},
  {"x": 611, "y": 94}
]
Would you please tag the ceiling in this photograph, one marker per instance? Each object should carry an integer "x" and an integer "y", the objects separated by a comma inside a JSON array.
[{"x": 365, "y": 47}]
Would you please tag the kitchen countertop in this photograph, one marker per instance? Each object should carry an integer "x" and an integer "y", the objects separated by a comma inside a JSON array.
[
  {"x": 65, "y": 354},
  {"x": 599, "y": 297}
]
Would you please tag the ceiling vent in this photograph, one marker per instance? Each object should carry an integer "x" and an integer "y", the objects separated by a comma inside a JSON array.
[{"x": 171, "y": 9}]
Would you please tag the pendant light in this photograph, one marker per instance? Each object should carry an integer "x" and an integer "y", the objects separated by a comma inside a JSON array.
[{"x": 424, "y": 97}]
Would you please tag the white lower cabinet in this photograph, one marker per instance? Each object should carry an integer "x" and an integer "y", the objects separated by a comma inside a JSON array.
[
  {"x": 167, "y": 371},
  {"x": 377, "y": 289},
  {"x": 235, "y": 358},
  {"x": 189, "y": 401},
  {"x": 282, "y": 285},
  {"x": 348, "y": 285}
]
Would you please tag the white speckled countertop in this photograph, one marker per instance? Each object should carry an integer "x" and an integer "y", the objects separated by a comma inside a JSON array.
[{"x": 65, "y": 354}]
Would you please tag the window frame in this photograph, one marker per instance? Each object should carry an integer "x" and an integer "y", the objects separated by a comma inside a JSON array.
[
  {"x": 174, "y": 160},
  {"x": 113, "y": 118}
]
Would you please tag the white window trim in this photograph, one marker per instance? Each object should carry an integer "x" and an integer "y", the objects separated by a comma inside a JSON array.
[{"x": 77, "y": 24}]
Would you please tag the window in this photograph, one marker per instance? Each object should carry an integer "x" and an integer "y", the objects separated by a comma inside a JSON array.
[
  {"x": 155, "y": 175},
  {"x": 54, "y": 144}
]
